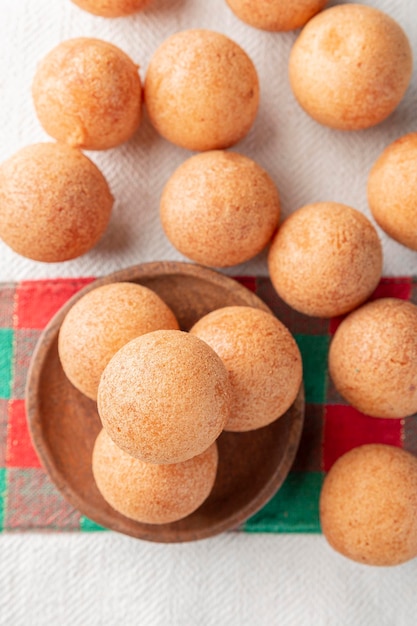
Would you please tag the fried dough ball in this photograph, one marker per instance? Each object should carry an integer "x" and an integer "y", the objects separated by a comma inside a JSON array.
[
  {"x": 350, "y": 66},
  {"x": 368, "y": 505},
  {"x": 164, "y": 397},
  {"x": 220, "y": 208},
  {"x": 201, "y": 90},
  {"x": 392, "y": 190},
  {"x": 148, "y": 493},
  {"x": 263, "y": 361},
  {"x": 111, "y": 8},
  {"x": 278, "y": 15},
  {"x": 55, "y": 204},
  {"x": 373, "y": 358},
  {"x": 87, "y": 93},
  {"x": 100, "y": 323},
  {"x": 326, "y": 259}
]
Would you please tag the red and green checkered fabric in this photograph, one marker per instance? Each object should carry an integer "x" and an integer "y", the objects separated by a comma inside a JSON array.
[{"x": 28, "y": 499}]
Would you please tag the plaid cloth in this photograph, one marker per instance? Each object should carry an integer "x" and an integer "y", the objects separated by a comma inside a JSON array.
[{"x": 28, "y": 499}]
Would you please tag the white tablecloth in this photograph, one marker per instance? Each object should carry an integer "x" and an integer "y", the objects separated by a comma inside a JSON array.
[{"x": 233, "y": 579}]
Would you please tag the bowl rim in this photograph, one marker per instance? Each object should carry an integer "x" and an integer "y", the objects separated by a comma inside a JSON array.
[{"x": 46, "y": 456}]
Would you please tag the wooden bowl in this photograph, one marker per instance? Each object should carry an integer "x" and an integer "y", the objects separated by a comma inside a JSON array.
[{"x": 64, "y": 424}]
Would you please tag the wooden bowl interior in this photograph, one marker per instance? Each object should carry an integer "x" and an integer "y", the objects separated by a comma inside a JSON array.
[{"x": 64, "y": 423}]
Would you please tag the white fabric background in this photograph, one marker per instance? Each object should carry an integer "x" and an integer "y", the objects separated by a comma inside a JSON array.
[
  {"x": 232, "y": 579},
  {"x": 308, "y": 162}
]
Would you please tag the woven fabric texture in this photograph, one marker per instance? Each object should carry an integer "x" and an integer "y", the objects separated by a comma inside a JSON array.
[
  {"x": 307, "y": 161},
  {"x": 28, "y": 499}
]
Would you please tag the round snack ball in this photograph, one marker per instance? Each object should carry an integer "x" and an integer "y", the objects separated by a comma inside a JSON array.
[
  {"x": 392, "y": 190},
  {"x": 55, "y": 204},
  {"x": 368, "y": 505},
  {"x": 263, "y": 361},
  {"x": 350, "y": 67},
  {"x": 164, "y": 397},
  {"x": 111, "y": 8},
  {"x": 88, "y": 93},
  {"x": 201, "y": 90},
  {"x": 373, "y": 358},
  {"x": 220, "y": 208},
  {"x": 326, "y": 259},
  {"x": 278, "y": 15},
  {"x": 149, "y": 493},
  {"x": 103, "y": 321}
]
